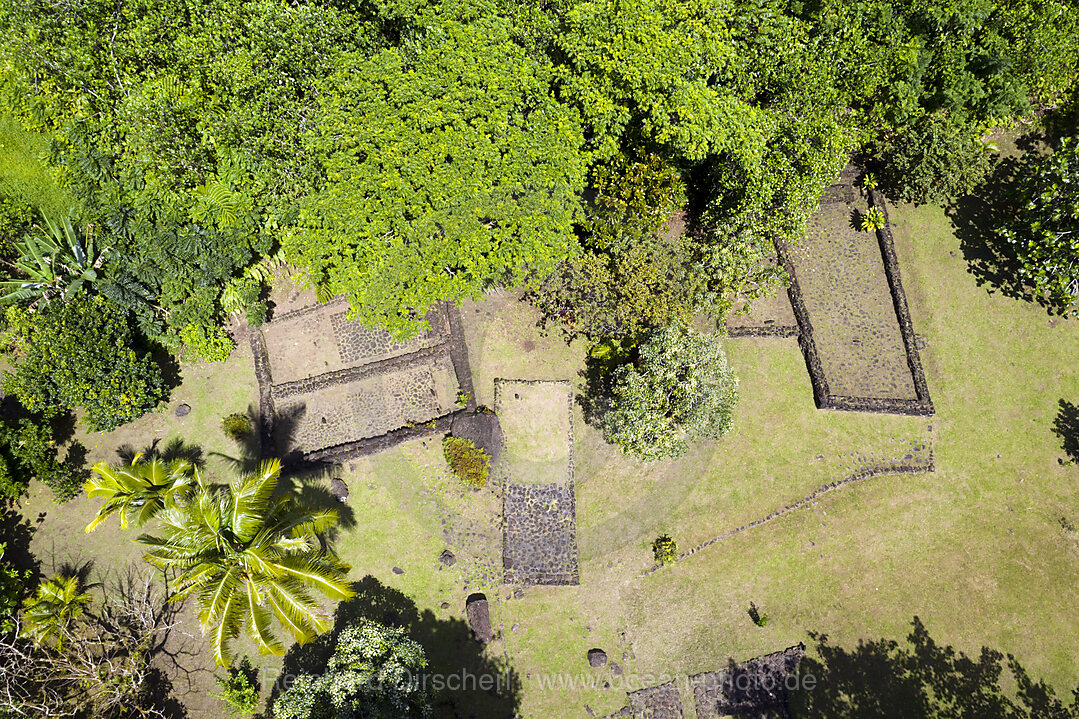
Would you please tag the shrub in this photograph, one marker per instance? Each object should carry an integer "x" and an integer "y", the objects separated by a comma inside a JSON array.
[
  {"x": 240, "y": 689},
  {"x": 934, "y": 159},
  {"x": 13, "y": 586},
  {"x": 665, "y": 549},
  {"x": 81, "y": 354},
  {"x": 758, "y": 617},
  {"x": 374, "y": 673},
  {"x": 680, "y": 386},
  {"x": 470, "y": 463},
  {"x": 236, "y": 425},
  {"x": 872, "y": 220},
  {"x": 209, "y": 343}
]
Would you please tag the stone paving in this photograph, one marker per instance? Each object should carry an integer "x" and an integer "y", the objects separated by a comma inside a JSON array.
[
  {"x": 328, "y": 383},
  {"x": 660, "y": 702},
  {"x": 536, "y": 474},
  {"x": 540, "y": 535},
  {"x": 841, "y": 276}
]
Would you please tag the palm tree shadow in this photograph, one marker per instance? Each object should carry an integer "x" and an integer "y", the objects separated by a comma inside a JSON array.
[
  {"x": 175, "y": 449},
  {"x": 918, "y": 680},
  {"x": 465, "y": 682}
]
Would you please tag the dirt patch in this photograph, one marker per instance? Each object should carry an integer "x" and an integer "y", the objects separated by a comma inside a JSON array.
[{"x": 537, "y": 427}]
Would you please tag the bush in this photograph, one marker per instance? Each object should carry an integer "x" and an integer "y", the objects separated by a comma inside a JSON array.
[
  {"x": 27, "y": 451},
  {"x": 81, "y": 354},
  {"x": 236, "y": 425},
  {"x": 872, "y": 220},
  {"x": 209, "y": 343},
  {"x": 375, "y": 673},
  {"x": 240, "y": 689},
  {"x": 759, "y": 618},
  {"x": 13, "y": 589},
  {"x": 1042, "y": 232},
  {"x": 470, "y": 463},
  {"x": 665, "y": 549},
  {"x": 934, "y": 159},
  {"x": 680, "y": 386}
]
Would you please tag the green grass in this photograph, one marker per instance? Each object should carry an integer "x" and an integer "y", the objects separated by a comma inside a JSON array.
[
  {"x": 861, "y": 563},
  {"x": 24, "y": 173}
]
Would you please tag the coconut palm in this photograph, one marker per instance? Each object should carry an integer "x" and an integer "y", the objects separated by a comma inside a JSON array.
[
  {"x": 248, "y": 556},
  {"x": 57, "y": 602},
  {"x": 139, "y": 491}
]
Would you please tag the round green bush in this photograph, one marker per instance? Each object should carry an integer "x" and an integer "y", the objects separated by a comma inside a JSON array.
[
  {"x": 470, "y": 463},
  {"x": 236, "y": 425}
]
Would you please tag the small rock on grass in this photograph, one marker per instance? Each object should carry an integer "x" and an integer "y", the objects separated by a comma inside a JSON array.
[
  {"x": 183, "y": 410},
  {"x": 398, "y": 570},
  {"x": 596, "y": 658},
  {"x": 447, "y": 558}
]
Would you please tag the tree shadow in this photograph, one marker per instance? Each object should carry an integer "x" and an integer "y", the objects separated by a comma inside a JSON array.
[
  {"x": 919, "y": 680},
  {"x": 976, "y": 219},
  {"x": 16, "y": 532},
  {"x": 1066, "y": 426},
  {"x": 456, "y": 663},
  {"x": 602, "y": 360},
  {"x": 175, "y": 449}
]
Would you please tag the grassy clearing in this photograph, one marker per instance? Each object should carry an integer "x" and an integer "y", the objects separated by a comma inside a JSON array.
[
  {"x": 974, "y": 549},
  {"x": 24, "y": 173}
]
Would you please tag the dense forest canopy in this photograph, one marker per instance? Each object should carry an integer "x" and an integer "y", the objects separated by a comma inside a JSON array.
[{"x": 404, "y": 152}]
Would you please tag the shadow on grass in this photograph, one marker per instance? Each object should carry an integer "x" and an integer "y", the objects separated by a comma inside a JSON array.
[
  {"x": 16, "y": 533},
  {"x": 919, "y": 680},
  {"x": 1066, "y": 426},
  {"x": 453, "y": 655},
  {"x": 176, "y": 449},
  {"x": 978, "y": 216}
]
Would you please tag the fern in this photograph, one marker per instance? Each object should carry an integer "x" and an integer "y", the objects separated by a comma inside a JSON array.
[{"x": 219, "y": 202}]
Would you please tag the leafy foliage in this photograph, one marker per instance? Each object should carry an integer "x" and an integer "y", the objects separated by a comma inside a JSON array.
[
  {"x": 665, "y": 549},
  {"x": 449, "y": 167},
  {"x": 139, "y": 491},
  {"x": 470, "y": 463},
  {"x": 27, "y": 451},
  {"x": 872, "y": 220},
  {"x": 59, "y": 601},
  {"x": 680, "y": 386},
  {"x": 248, "y": 557},
  {"x": 236, "y": 425},
  {"x": 935, "y": 159},
  {"x": 1044, "y": 234},
  {"x": 55, "y": 262},
  {"x": 79, "y": 355},
  {"x": 374, "y": 672},
  {"x": 240, "y": 689},
  {"x": 13, "y": 587}
]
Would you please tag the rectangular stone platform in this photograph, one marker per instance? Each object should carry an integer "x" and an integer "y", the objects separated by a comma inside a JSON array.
[
  {"x": 659, "y": 702},
  {"x": 854, "y": 324},
  {"x": 536, "y": 474}
]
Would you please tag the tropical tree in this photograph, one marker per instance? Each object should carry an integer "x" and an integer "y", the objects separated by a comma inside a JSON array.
[
  {"x": 140, "y": 490},
  {"x": 55, "y": 262},
  {"x": 49, "y": 613},
  {"x": 680, "y": 385},
  {"x": 1044, "y": 230},
  {"x": 248, "y": 556},
  {"x": 374, "y": 672}
]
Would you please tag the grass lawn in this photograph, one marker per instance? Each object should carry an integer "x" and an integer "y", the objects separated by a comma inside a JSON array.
[{"x": 975, "y": 549}]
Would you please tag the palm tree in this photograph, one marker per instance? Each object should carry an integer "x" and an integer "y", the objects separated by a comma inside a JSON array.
[
  {"x": 139, "y": 491},
  {"x": 248, "y": 556},
  {"x": 57, "y": 603}
]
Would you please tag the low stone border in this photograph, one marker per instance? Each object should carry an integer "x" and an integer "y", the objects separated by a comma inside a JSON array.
[
  {"x": 919, "y": 407},
  {"x": 453, "y": 345},
  {"x": 875, "y": 470},
  {"x": 771, "y": 331}
]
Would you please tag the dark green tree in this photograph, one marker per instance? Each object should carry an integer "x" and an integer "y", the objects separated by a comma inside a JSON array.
[
  {"x": 79, "y": 355},
  {"x": 1044, "y": 233}
]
